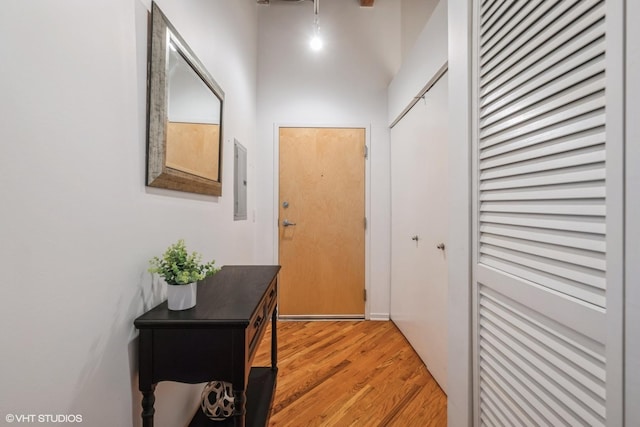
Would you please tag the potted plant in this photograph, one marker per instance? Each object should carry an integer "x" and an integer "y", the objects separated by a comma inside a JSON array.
[{"x": 181, "y": 270}]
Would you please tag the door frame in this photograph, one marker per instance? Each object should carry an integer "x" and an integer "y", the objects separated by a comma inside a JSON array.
[
  {"x": 460, "y": 374},
  {"x": 367, "y": 196}
]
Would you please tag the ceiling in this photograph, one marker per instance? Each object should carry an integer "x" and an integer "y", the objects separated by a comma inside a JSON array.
[{"x": 364, "y": 3}]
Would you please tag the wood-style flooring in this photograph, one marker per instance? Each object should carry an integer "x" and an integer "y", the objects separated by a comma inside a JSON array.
[{"x": 344, "y": 373}]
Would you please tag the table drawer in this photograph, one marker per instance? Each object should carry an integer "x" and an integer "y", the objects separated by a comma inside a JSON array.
[{"x": 260, "y": 319}]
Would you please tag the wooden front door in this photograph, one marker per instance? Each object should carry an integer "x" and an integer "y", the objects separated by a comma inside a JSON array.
[{"x": 321, "y": 223}]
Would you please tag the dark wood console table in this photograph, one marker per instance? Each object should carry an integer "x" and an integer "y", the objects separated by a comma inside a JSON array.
[{"x": 215, "y": 340}]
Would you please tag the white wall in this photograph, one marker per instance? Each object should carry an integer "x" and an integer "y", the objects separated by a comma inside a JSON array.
[
  {"x": 344, "y": 84},
  {"x": 415, "y": 14},
  {"x": 427, "y": 56},
  {"x": 77, "y": 224}
]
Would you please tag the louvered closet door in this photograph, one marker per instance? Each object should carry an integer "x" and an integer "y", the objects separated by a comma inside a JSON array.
[{"x": 547, "y": 220}]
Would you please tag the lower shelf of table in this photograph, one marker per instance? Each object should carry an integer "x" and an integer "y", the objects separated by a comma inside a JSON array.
[{"x": 260, "y": 390}]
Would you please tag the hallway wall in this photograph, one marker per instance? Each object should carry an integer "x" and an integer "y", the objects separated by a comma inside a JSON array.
[
  {"x": 415, "y": 14},
  {"x": 77, "y": 224}
]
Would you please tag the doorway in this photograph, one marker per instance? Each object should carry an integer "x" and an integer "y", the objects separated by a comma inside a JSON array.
[{"x": 321, "y": 222}]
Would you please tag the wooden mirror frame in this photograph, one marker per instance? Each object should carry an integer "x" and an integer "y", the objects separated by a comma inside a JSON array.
[{"x": 159, "y": 174}]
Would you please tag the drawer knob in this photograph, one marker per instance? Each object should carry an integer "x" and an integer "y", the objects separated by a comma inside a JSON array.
[{"x": 258, "y": 321}]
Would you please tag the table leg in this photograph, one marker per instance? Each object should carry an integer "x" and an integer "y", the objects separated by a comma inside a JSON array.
[
  {"x": 148, "y": 399},
  {"x": 240, "y": 402},
  {"x": 274, "y": 339}
]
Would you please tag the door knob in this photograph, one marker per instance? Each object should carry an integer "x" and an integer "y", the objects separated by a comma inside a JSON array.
[{"x": 287, "y": 223}]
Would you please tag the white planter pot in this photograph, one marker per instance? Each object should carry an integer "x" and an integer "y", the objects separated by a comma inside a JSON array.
[{"x": 181, "y": 297}]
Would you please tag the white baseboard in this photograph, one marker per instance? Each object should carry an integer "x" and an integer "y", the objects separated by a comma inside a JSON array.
[
  {"x": 310, "y": 317},
  {"x": 379, "y": 316}
]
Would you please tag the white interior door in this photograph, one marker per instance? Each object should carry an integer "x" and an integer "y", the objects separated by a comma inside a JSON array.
[
  {"x": 419, "y": 225},
  {"x": 547, "y": 239}
]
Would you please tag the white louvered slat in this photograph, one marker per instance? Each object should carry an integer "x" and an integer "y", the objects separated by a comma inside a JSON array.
[
  {"x": 533, "y": 355},
  {"x": 563, "y": 207},
  {"x": 554, "y": 375},
  {"x": 504, "y": 393},
  {"x": 569, "y": 111},
  {"x": 575, "y": 52},
  {"x": 590, "y": 122},
  {"x": 488, "y": 415},
  {"x": 589, "y": 156},
  {"x": 505, "y": 26},
  {"x": 575, "y": 191},
  {"x": 490, "y": 11},
  {"x": 540, "y": 75},
  {"x": 559, "y": 237},
  {"x": 502, "y": 412},
  {"x": 557, "y": 146},
  {"x": 544, "y": 174},
  {"x": 531, "y": 100},
  {"x": 492, "y": 17},
  {"x": 591, "y": 225},
  {"x": 567, "y": 271},
  {"x": 566, "y": 405},
  {"x": 541, "y": 213},
  {"x": 575, "y": 379},
  {"x": 582, "y": 321},
  {"x": 530, "y": 406},
  {"x": 563, "y": 341},
  {"x": 522, "y": 33},
  {"x": 523, "y": 380},
  {"x": 549, "y": 416},
  {"x": 486, "y": 6},
  {"x": 528, "y": 49},
  {"x": 577, "y": 290},
  {"x": 505, "y": 402},
  {"x": 589, "y": 259}
]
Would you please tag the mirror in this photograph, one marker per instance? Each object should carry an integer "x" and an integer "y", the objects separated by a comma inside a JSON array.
[{"x": 184, "y": 137}]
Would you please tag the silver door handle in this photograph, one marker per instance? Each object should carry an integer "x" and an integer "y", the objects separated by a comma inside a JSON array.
[{"x": 287, "y": 223}]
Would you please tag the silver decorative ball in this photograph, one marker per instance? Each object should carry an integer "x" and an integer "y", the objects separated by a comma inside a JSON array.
[{"x": 217, "y": 400}]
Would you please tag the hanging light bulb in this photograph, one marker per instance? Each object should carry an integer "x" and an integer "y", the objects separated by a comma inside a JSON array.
[{"x": 316, "y": 42}]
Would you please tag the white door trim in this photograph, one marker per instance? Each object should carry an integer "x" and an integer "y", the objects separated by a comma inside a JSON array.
[
  {"x": 632, "y": 213},
  {"x": 367, "y": 194},
  {"x": 459, "y": 381},
  {"x": 615, "y": 211}
]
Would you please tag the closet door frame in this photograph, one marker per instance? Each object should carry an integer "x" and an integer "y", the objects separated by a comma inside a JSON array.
[
  {"x": 459, "y": 382},
  {"x": 632, "y": 213}
]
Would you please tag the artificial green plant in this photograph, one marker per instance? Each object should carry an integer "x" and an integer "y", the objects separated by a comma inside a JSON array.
[{"x": 178, "y": 267}]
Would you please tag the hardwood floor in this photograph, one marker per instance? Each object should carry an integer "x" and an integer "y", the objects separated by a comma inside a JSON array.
[{"x": 350, "y": 374}]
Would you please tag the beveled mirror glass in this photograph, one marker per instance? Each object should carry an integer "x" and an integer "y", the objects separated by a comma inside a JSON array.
[{"x": 184, "y": 137}]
